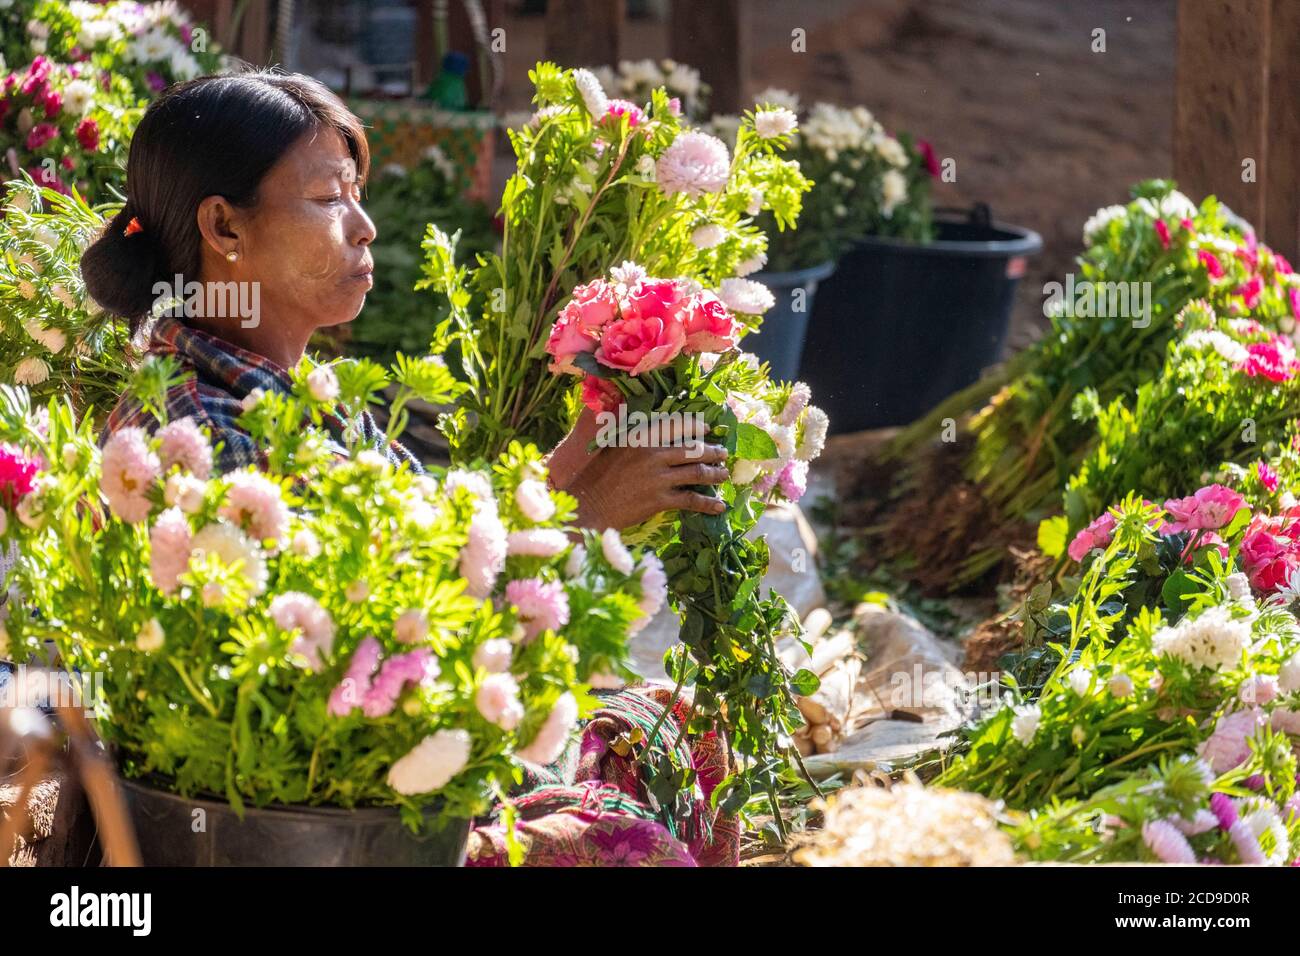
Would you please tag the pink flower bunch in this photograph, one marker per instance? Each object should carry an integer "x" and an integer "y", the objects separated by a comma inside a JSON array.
[
  {"x": 497, "y": 699},
  {"x": 1208, "y": 509},
  {"x": 417, "y": 666},
  {"x": 643, "y": 328},
  {"x": 1229, "y": 745},
  {"x": 1275, "y": 360},
  {"x": 541, "y": 605},
  {"x": 17, "y": 473},
  {"x": 347, "y": 695},
  {"x": 484, "y": 554},
  {"x": 375, "y": 688},
  {"x": 1267, "y": 476}
]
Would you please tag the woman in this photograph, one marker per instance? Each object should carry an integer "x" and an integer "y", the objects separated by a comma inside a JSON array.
[{"x": 256, "y": 180}]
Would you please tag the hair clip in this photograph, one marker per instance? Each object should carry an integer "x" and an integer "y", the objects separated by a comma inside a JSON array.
[{"x": 132, "y": 227}]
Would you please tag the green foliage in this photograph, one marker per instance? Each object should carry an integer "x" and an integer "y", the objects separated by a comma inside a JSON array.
[{"x": 402, "y": 203}]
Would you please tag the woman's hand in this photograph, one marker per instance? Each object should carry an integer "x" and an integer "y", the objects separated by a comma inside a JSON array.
[{"x": 618, "y": 487}]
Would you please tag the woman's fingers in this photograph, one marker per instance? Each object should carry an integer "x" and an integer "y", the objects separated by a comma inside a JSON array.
[
  {"x": 693, "y": 453},
  {"x": 694, "y": 501},
  {"x": 699, "y": 473}
]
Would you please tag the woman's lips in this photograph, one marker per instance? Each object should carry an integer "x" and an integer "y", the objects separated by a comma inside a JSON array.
[{"x": 365, "y": 276}]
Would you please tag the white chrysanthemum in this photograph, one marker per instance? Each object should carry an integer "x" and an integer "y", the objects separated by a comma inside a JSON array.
[
  {"x": 151, "y": 636},
  {"x": 432, "y": 763},
  {"x": 708, "y": 236},
  {"x": 772, "y": 123},
  {"x": 1100, "y": 219},
  {"x": 1120, "y": 685},
  {"x": 232, "y": 546},
  {"x": 592, "y": 94},
  {"x": 893, "y": 191},
  {"x": 616, "y": 554},
  {"x": 77, "y": 96},
  {"x": 1238, "y": 586},
  {"x": 746, "y": 296},
  {"x": 31, "y": 371},
  {"x": 1024, "y": 725},
  {"x": 813, "y": 439},
  {"x": 891, "y": 150},
  {"x": 751, "y": 265},
  {"x": 683, "y": 79},
  {"x": 1288, "y": 675},
  {"x": 1080, "y": 680},
  {"x": 50, "y": 337},
  {"x": 1229, "y": 349},
  {"x": 1213, "y": 639},
  {"x": 774, "y": 96}
]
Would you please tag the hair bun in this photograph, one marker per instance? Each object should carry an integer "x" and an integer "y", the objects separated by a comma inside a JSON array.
[{"x": 120, "y": 270}]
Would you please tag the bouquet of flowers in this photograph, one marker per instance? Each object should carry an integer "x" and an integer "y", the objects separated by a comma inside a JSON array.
[
  {"x": 1227, "y": 394},
  {"x": 1162, "y": 731},
  {"x": 53, "y": 338},
  {"x": 332, "y": 628},
  {"x": 69, "y": 124},
  {"x": 664, "y": 350},
  {"x": 865, "y": 183},
  {"x": 599, "y": 181}
]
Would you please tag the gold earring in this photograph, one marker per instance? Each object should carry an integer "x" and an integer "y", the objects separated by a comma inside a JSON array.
[{"x": 232, "y": 255}]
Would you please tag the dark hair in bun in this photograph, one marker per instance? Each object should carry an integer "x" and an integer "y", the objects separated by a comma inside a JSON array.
[{"x": 214, "y": 136}]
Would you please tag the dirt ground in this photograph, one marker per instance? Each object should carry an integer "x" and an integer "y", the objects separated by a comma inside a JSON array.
[{"x": 1042, "y": 128}]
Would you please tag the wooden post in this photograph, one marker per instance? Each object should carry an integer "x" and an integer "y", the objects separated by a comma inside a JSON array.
[
  {"x": 583, "y": 32},
  {"x": 1281, "y": 172},
  {"x": 1236, "y": 132},
  {"x": 713, "y": 37}
]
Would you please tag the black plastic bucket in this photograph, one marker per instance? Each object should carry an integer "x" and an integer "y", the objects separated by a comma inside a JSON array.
[
  {"x": 900, "y": 326},
  {"x": 780, "y": 341},
  {"x": 172, "y": 831}
]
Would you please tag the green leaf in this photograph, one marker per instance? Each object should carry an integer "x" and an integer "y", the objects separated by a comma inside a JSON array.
[
  {"x": 1052, "y": 535},
  {"x": 805, "y": 682},
  {"x": 753, "y": 444}
]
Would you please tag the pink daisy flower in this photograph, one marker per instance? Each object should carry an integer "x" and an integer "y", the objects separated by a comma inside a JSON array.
[{"x": 542, "y": 605}]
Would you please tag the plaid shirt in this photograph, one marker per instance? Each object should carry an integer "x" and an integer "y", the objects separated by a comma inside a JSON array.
[{"x": 222, "y": 375}]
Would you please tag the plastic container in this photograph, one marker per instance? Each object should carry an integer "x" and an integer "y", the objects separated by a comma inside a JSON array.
[
  {"x": 780, "y": 341},
  {"x": 901, "y": 325},
  {"x": 190, "y": 831}
]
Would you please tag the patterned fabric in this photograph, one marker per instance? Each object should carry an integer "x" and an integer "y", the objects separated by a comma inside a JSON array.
[
  {"x": 590, "y": 808},
  {"x": 402, "y": 131},
  {"x": 221, "y": 376}
]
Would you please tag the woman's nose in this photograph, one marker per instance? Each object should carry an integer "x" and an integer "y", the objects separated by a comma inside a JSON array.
[{"x": 363, "y": 229}]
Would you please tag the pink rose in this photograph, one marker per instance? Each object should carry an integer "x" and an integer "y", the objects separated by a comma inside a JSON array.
[
  {"x": 1268, "y": 554},
  {"x": 654, "y": 298},
  {"x": 567, "y": 339},
  {"x": 640, "y": 344},
  {"x": 1209, "y": 509},
  {"x": 708, "y": 325}
]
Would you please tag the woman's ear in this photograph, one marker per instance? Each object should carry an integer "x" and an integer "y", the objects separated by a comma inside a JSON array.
[{"x": 220, "y": 223}]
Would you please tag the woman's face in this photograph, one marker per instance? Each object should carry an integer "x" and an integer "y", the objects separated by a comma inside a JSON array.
[{"x": 307, "y": 242}]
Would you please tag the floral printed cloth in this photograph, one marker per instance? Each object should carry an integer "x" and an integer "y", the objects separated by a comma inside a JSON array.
[{"x": 591, "y": 808}]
